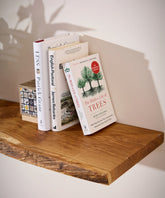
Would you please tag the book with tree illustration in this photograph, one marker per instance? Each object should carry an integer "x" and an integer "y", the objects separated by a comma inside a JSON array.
[{"x": 90, "y": 93}]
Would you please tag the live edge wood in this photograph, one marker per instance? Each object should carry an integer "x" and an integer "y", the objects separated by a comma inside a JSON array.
[{"x": 101, "y": 157}]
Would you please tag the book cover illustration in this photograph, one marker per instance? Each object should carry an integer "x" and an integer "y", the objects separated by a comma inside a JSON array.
[
  {"x": 89, "y": 75},
  {"x": 68, "y": 111},
  {"x": 90, "y": 93},
  {"x": 63, "y": 111}
]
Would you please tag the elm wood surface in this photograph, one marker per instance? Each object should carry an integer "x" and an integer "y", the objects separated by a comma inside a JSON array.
[{"x": 101, "y": 157}]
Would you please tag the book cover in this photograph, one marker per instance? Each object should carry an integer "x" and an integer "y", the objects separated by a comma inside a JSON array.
[
  {"x": 40, "y": 51},
  {"x": 90, "y": 93},
  {"x": 63, "y": 112}
]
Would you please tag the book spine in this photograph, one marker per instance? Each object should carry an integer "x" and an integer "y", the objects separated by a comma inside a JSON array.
[
  {"x": 76, "y": 99},
  {"x": 41, "y": 91},
  {"x": 53, "y": 91}
]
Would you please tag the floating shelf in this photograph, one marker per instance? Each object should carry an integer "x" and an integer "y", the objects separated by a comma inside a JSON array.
[{"x": 101, "y": 157}]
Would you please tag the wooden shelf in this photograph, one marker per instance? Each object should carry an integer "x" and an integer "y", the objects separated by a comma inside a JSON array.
[{"x": 101, "y": 157}]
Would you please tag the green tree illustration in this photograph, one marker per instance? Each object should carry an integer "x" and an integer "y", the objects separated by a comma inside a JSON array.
[
  {"x": 98, "y": 77},
  {"x": 81, "y": 84},
  {"x": 87, "y": 75}
]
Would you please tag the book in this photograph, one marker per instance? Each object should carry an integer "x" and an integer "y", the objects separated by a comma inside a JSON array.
[
  {"x": 40, "y": 52},
  {"x": 63, "y": 112},
  {"x": 90, "y": 93}
]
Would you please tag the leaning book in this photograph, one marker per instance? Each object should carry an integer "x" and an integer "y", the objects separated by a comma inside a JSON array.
[
  {"x": 63, "y": 112},
  {"x": 90, "y": 93}
]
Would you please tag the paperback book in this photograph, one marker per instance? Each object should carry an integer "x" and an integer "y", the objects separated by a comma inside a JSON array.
[
  {"x": 40, "y": 51},
  {"x": 90, "y": 93},
  {"x": 63, "y": 112}
]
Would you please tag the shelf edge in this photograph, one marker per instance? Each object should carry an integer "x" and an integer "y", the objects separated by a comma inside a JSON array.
[{"x": 21, "y": 153}]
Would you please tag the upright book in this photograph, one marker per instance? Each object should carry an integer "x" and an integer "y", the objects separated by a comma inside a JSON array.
[
  {"x": 90, "y": 93},
  {"x": 40, "y": 51},
  {"x": 63, "y": 112}
]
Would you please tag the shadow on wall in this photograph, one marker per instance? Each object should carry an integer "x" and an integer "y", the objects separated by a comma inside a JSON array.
[
  {"x": 16, "y": 54},
  {"x": 156, "y": 158},
  {"x": 130, "y": 84},
  {"x": 132, "y": 90}
]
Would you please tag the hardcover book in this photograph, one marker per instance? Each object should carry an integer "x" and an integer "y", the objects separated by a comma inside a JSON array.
[
  {"x": 63, "y": 112},
  {"x": 40, "y": 51},
  {"x": 90, "y": 93}
]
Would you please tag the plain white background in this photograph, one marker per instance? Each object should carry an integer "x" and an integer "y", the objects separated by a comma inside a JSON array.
[{"x": 135, "y": 32}]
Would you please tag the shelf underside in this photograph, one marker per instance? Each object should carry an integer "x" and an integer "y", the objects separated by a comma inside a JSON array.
[{"x": 101, "y": 157}]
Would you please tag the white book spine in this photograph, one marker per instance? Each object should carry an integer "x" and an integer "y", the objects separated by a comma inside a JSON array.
[
  {"x": 53, "y": 91},
  {"x": 76, "y": 99},
  {"x": 41, "y": 90},
  {"x": 40, "y": 50}
]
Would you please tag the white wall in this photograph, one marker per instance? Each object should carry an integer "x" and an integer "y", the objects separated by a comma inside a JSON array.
[
  {"x": 133, "y": 34},
  {"x": 18, "y": 179}
]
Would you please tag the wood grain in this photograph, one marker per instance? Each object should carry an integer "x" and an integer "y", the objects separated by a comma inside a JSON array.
[{"x": 101, "y": 157}]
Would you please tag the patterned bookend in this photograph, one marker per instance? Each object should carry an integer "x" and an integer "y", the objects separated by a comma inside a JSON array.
[{"x": 28, "y": 102}]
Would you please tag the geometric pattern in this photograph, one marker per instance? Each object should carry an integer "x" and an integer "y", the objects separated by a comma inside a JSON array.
[{"x": 28, "y": 101}]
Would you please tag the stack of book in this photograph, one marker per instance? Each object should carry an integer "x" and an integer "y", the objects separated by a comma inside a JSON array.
[{"x": 70, "y": 86}]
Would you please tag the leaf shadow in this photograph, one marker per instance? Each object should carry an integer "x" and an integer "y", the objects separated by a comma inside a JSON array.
[{"x": 16, "y": 53}]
